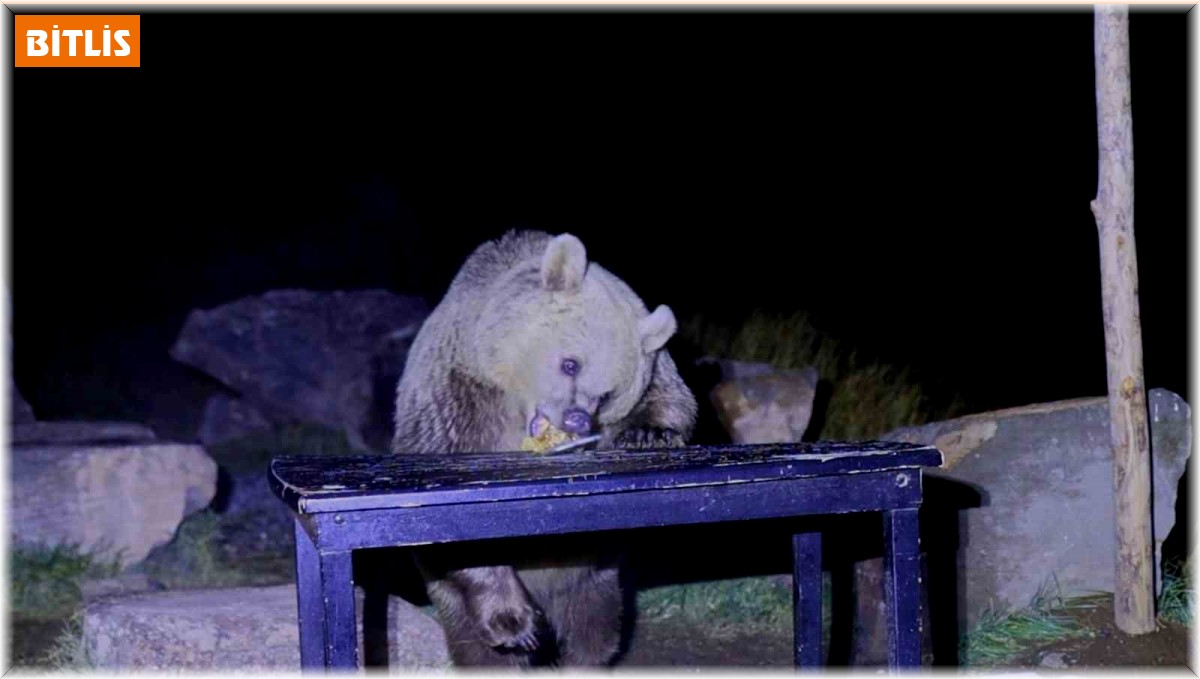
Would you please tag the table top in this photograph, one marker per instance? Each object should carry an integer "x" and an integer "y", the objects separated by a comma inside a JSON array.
[{"x": 311, "y": 484}]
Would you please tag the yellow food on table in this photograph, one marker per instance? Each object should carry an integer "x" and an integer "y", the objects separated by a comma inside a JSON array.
[
  {"x": 545, "y": 441},
  {"x": 547, "y": 437}
]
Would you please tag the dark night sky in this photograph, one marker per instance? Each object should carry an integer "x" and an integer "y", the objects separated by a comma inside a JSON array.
[{"x": 918, "y": 182}]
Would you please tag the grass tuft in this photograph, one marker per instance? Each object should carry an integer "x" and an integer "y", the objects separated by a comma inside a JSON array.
[
  {"x": 733, "y": 601},
  {"x": 45, "y": 604},
  {"x": 757, "y": 604},
  {"x": 1177, "y": 600},
  {"x": 999, "y": 637},
  {"x": 67, "y": 652}
]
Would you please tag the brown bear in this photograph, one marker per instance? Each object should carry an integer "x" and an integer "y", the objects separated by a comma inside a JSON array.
[{"x": 530, "y": 331}]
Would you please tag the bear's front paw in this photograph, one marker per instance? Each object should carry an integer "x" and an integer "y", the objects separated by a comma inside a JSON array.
[
  {"x": 649, "y": 437},
  {"x": 510, "y": 625}
]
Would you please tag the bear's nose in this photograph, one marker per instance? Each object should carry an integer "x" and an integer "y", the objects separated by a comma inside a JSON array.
[{"x": 577, "y": 421}]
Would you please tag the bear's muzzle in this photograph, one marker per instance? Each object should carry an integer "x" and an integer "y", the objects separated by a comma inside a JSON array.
[{"x": 576, "y": 421}]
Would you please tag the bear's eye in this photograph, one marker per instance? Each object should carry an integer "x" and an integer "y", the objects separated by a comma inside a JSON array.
[{"x": 570, "y": 367}]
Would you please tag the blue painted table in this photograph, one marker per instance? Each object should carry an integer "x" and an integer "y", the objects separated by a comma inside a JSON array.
[{"x": 343, "y": 504}]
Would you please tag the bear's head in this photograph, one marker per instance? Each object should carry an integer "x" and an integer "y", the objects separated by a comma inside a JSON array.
[{"x": 569, "y": 341}]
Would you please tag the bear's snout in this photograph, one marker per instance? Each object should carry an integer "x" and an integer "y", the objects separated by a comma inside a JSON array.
[{"x": 576, "y": 421}]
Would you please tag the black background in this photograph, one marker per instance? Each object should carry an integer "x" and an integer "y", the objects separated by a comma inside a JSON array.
[{"x": 919, "y": 182}]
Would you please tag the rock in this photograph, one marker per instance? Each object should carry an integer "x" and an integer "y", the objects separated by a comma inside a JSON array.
[
  {"x": 242, "y": 629},
  {"x": 254, "y": 518},
  {"x": 1054, "y": 661},
  {"x": 80, "y": 432},
  {"x": 1045, "y": 475},
  {"x": 760, "y": 404},
  {"x": 116, "y": 501},
  {"x": 303, "y": 356},
  {"x": 736, "y": 370},
  {"x": 21, "y": 412},
  {"x": 123, "y": 584},
  {"x": 228, "y": 417}
]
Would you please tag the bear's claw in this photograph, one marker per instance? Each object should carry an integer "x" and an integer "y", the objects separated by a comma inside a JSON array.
[
  {"x": 528, "y": 641},
  {"x": 513, "y": 629},
  {"x": 648, "y": 437}
]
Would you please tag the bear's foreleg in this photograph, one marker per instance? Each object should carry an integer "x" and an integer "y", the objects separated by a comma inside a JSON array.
[
  {"x": 487, "y": 613},
  {"x": 665, "y": 416},
  {"x": 497, "y": 604},
  {"x": 646, "y": 435},
  {"x": 463, "y": 642},
  {"x": 587, "y": 619}
]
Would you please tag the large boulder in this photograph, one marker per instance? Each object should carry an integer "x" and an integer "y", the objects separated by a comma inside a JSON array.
[
  {"x": 242, "y": 629},
  {"x": 80, "y": 431},
  {"x": 329, "y": 358},
  {"x": 229, "y": 417},
  {"x": 114, "y": 500},
  {"x": 20, "y": 412},
  {"x": 1045, "y": 478}
]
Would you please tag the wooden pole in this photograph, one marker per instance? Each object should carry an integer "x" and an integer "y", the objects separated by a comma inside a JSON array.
[{"x": 1133, "y": 602}]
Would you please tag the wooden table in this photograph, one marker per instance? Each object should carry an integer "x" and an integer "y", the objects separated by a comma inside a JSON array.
[{"x": 343, "y": 504}]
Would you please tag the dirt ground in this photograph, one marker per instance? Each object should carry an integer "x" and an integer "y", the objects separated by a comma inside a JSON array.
[
  {"x": 1107, "y": 646},
  {"x": 684, "y": 643},
  {"x": 669, "y": 644},
  {"x": 31, "y": 638}
]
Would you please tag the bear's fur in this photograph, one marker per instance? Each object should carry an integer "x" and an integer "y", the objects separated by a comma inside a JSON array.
[{"x": 492, "y": 357}]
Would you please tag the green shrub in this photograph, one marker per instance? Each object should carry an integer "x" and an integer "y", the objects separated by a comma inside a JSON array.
[{"x": 45, "y": 582}]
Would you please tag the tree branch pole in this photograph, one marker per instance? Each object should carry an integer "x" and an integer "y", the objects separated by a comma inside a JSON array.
[{"x": 1133, "y": 602}]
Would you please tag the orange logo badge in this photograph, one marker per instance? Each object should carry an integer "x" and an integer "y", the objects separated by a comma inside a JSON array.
[{"x": 78, "y": 40}]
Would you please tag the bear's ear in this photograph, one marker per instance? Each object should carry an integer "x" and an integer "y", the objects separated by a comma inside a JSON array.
[
  {"x": 564, "y": 264},
  {"x": 656, "y": 328}
]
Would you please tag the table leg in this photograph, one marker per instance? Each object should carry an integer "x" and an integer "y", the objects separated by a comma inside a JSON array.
[
  {"x": 806, "y": 598},
  {"x": 901, "y": 584},
  {"x": 325, "y": 606}
]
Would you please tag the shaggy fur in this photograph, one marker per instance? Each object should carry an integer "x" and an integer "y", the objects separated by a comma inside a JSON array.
[{"x": 487, "y": 361}]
